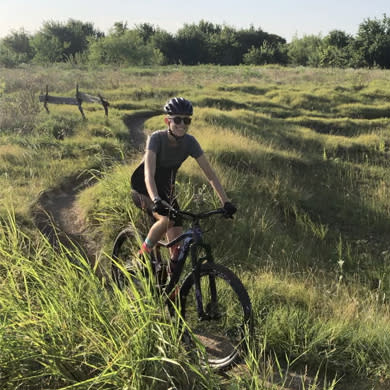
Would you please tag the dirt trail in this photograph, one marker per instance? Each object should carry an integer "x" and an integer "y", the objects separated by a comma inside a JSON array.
[{"x": 57, "y": 214}]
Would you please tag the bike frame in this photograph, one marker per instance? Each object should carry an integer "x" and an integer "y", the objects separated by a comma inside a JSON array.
[{"x": 192, "y": 241}]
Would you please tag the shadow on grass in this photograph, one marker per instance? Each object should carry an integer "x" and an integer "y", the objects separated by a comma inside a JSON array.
[
  {"x": 345, "y": 127},
  {"x": 318, "y": 193}
]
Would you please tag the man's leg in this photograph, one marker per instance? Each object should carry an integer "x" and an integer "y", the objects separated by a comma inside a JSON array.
[
  {"x": 158, "y": 229},
  {"x": 172, "y": 233}
]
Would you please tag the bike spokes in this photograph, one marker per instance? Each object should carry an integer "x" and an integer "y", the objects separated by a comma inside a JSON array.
[{"x": 220, "y": 327}]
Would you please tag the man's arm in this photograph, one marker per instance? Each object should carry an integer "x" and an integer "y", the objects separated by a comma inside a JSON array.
[
  {"x": 150, "y": 170},
  {"x": 212, "y": 177}
]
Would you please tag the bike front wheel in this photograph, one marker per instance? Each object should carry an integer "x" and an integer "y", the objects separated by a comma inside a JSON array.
[{"x": 222, "y": 327}]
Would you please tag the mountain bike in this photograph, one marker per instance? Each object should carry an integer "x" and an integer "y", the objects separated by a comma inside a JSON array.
[{"x": 211, "y": 299}]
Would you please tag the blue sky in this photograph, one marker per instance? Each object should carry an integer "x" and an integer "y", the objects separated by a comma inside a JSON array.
[{"x": 281, "y": 17}]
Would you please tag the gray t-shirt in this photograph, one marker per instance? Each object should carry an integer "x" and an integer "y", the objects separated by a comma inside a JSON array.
[
  {"x": 169, "y": 158},
  {"x": 172, "y": 155}
]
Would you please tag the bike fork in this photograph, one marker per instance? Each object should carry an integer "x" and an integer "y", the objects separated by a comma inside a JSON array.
[{"x": 198, "y": 289}]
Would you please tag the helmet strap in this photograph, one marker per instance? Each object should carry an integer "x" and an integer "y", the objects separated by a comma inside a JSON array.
[{"x": 176, "y": 137}]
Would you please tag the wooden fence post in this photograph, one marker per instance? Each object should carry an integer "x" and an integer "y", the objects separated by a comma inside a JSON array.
[
  {"x": 76, "y": 101},
  {"x": 79, "y": 101}
]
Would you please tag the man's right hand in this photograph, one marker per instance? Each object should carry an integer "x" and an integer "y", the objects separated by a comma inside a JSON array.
[
  {"x": 159, "y": 207},
  {"x": 230, "y": 209}
]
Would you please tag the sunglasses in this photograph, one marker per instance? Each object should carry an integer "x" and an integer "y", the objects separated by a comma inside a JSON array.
[{"x": 177, "y": 119}]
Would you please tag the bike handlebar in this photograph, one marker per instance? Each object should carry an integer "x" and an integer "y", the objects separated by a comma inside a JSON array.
[{"x": 192, "y": 216}]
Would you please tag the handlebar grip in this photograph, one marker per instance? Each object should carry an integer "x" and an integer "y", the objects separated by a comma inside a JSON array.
[{"x": 167, "y": 205}]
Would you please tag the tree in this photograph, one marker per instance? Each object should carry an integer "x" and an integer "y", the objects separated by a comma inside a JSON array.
[
  {"x": 119, "y": 28},
  {"x": 267, "y": 53},
  {"x": 19, "y": 43},
  {"x": 223, "y": 46},
  {"x": 336, "y": 50},
  {"x": 125, "y": 49},
  {"x": 305, "y": 51},
  {"x": 372, "y": 43},
  {"x": 192, "y": 44},
  {"x": 209, "y": 43},
  {"x": 15, "y": 48},
  {"x": 167, "y": 45},
  {"x": 59, "y": 41},
  {"x": 48, "y": 48},
  {"x": 254, "y": 38},
  {"x": 146, "y": 31},
  {"x": 338, "y": 39}
]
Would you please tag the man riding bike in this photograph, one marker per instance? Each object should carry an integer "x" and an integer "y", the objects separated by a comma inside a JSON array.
[{"x": 153, "y": 181}]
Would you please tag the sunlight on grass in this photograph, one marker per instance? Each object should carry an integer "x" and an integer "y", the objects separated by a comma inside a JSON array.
[
  {"x": 302, "y": 152},
  {"x": 63, "y": 327}
]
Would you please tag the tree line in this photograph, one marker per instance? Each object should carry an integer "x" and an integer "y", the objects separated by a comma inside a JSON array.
[{"x": 202, "y": 43}]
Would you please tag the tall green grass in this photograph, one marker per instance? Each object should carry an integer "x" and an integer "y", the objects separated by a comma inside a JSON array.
[
  {"x": 304, "y": 155},
  {"x": 61, "y": 328}
]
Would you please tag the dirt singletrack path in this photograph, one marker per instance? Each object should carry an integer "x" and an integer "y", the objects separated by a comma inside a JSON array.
[{"x": 57, "y": 214}]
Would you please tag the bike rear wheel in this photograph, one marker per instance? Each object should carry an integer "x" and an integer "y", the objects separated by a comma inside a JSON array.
[
  {"x": 127, "y": 263},
  {"x": 227, "y": 316}
]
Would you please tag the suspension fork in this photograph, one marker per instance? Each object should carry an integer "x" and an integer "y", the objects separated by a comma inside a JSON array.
[
  {"x": 212, "y": 285},
  {"x": 196, "y": 264}
]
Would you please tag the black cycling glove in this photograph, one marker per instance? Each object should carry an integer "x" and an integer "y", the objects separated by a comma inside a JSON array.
[
  {"x": 230, "y": 209},
  {"x": 159, "y": 207}
]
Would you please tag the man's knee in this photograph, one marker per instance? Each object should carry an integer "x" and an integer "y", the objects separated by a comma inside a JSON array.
[{"x": 164, "y": 220}]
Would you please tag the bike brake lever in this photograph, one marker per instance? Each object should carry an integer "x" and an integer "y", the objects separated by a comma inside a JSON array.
[{"x": 168, "y": 206}]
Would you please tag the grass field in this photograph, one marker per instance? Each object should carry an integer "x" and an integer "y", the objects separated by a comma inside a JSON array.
[{"x": 303, "y": 153}]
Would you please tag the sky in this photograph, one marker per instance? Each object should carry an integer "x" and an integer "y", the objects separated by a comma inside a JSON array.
[{"x": 282, "y": 17}]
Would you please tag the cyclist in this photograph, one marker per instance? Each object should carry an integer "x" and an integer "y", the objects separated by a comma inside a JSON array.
[{"x": 154, "y": 179}]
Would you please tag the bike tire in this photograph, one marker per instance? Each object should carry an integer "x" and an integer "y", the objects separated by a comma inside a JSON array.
[
  {"x": 223, "y": 335},
  {"x": 125, "y": 256}
]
